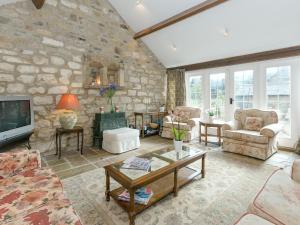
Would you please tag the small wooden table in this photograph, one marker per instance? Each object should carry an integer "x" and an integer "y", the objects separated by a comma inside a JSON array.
[
  {"x": 61, "y": 131},
  {"x": 151, "y": 114},
  {"x": 217, "y": 124},
  {"x": 169, "y": 171}
]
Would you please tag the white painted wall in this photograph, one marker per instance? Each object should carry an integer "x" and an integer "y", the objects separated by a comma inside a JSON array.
[{"x": 253, "y": 26}]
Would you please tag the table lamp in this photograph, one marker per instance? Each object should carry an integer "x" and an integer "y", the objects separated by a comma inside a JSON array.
[{"x": 68, "y": 103}]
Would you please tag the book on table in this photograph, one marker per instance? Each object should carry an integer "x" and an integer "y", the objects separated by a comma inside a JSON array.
[{"x": 141, "y": 196}]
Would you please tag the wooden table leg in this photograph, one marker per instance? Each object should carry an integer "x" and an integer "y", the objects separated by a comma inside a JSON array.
[
  {"x": 131, "y": 210},
  {"x": 175, "y": 183},
  {"x": 78, "y": 141},
  {"x": 107, "y": 192},
  {"x": 82, "y": 135},
  {"x": 200, "y": 137},
  {"x": 143, "y": 132},
  {"x": 56, "y": 143},
  {"x": 203, "y": 166},
  {"x": 59, "y": 146},
  {"x": 205, "y": 135},
  {"x": 219, "y": 135}
]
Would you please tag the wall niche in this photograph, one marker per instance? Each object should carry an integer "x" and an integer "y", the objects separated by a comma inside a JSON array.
[{"x": 99, "y": 72}]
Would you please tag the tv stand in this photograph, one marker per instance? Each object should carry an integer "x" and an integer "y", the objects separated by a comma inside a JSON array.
[{"x": 11, "y": 143}]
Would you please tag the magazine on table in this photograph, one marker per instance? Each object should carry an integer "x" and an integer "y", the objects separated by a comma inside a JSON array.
[
  {"x": 137, "y": 164},
  {"x": 141, "y": 196}
]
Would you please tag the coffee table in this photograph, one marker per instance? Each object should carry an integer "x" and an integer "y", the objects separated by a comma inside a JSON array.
[{"x": 169, "y": 171}]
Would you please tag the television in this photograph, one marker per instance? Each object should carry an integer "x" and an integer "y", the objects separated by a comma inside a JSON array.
[{"x": 16, "y": 118}]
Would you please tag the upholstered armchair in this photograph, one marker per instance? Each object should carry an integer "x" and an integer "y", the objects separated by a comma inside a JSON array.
[
  {"x": 188, "y": 119},
  {"x": 253, "y": 133}
]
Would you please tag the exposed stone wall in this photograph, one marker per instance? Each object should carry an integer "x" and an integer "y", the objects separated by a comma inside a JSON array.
[{"x": 41, "y": 54}]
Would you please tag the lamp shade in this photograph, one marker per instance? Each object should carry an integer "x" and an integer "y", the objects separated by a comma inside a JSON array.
[{"x": 69, "y": 102}]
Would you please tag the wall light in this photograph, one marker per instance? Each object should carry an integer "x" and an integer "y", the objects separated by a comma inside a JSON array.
[
  {"x": 139, "y": 4},
  {"x": 174, "y": 47}
]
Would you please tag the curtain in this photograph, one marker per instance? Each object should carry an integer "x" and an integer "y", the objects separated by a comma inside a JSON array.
[{"x": 176, "y": 89}]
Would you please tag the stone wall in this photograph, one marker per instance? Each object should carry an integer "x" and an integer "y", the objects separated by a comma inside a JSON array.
[{"x": 42, "y": 51}]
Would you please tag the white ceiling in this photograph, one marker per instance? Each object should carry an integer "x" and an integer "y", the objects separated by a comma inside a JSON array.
[{"x": 252, "y": 25}]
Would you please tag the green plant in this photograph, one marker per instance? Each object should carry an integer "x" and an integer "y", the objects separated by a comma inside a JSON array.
[
  {"x": 210, "y": 112},
  {"x": 178, "y": 134}
]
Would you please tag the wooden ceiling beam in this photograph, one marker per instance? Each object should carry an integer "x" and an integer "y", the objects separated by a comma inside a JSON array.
[
  {"x": 179, "y": 17},
  {"x": 38, "y": 3},
  {"x": 254, "y": 57}
]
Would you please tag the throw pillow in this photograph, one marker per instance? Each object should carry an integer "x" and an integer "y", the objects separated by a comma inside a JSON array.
[{"x": 254, "y": 123}]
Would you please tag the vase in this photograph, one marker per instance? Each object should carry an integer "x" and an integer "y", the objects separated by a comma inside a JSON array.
[
  {"x": 178, "y": 145},
  {"x": 210, "y": 119},
  {"x": 112, "y": 108}
]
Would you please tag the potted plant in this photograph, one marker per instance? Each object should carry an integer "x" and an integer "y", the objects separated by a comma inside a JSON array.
[
  {"x": 178, "y": 135},
  {"x": 109, "y": 92},
  {"x": 211, "y": 115}
]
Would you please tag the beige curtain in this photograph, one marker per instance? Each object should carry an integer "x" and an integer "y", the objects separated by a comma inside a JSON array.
[{"x": 176, "y": 88}]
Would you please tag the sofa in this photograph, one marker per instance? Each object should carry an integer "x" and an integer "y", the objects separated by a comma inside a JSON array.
[
  {"x": 30, "y": 194},
  {"x": 278, "y": 202},
  {"x": 252, "y": 133},
  {"x": 188, "y": 119}
]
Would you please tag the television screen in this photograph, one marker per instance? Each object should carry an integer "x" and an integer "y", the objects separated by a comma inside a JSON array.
[{"x": 14, "y": 114}]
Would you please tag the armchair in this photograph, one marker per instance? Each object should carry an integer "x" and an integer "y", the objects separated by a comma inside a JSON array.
[
  {"x": 253, "y": 133},
  {"x": 188, "y": 119}
]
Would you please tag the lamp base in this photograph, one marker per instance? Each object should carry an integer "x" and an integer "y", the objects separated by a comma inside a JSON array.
[{"x": 68, "y": 119}]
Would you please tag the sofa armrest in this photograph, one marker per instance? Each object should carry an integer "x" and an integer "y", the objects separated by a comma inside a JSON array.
[
  {"x": 193, "y": 122},
  {"x": 296, "y": 171},
  {"x": 230, "y": 125},
  {"x": 14, "y": 162},
  {"x": 270, "y": 130}
]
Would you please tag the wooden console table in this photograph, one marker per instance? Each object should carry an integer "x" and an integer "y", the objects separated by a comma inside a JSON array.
[
  {"x": 159, "y": 115},
  {"x": 61, "y": 131},
  {"x": 217, "y": 124}
]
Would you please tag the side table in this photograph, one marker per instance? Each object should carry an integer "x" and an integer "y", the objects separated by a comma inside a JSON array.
[
  {"x": 217, "y": 123},
  {"x": 59, "y": 133}
]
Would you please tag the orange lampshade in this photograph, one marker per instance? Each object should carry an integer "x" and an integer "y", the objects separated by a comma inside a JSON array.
[{"x": 69, "y": 102}]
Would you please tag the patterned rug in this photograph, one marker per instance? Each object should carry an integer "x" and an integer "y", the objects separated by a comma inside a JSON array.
[{"x": 231, "y": 183}]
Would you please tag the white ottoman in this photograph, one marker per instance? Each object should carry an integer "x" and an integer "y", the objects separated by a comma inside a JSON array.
[{"x": 121, "y": 140}]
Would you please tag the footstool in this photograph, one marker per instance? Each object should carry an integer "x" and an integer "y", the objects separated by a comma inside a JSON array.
[{"x": 121, "y": 140}]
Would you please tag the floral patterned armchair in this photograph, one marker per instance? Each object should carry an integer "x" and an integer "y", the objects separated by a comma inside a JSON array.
[
  {"x": 30, "y": 194},
  {"x": 188, "y": 119},
  {"x": 253, "y": 133}
]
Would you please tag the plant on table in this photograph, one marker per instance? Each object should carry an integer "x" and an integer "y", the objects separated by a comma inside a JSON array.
[
  {"x": 179, "y": 134},
  {"x": 109, "y": 92}
]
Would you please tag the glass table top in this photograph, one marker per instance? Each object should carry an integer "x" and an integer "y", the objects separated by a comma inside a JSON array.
[{"x": 159, "y": 159}]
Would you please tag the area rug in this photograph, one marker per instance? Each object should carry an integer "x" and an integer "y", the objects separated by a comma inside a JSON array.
[{"x": 231, "y": 183}]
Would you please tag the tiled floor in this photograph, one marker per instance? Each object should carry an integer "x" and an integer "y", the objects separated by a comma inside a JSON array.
[{"x": 72, "y": 163}]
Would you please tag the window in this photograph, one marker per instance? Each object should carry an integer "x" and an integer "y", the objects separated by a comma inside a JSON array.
[
  {"x": 217, "y": 94},
  {"x": 195, "y": 91},
  {"x": 243, "y": 89},
  {"x": 278, "y": 89}
]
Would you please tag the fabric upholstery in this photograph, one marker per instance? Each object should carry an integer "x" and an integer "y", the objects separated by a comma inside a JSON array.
[
  {"x": 278, "y": 201},
  {"x": 182, "y": 126},
  {"x": 245, "y": 136},
  {"x": 19, "y": 160},
  {"x": 188, "y": 118},
  {"x": 251, "y": 219},
  {"x": 30, "y": 194},
  {"x": 253, "y": 123},
  {"x": 270, "y": 130},
  {"x": 121, "y": 140},
  {"x": 296, "y": 171}
]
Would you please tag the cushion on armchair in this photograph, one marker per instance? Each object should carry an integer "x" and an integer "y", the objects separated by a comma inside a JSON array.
[{"x": 253, "y": 123}]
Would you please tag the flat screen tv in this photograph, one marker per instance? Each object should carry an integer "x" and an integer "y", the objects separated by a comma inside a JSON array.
[{"x": 16, "y": 118}]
